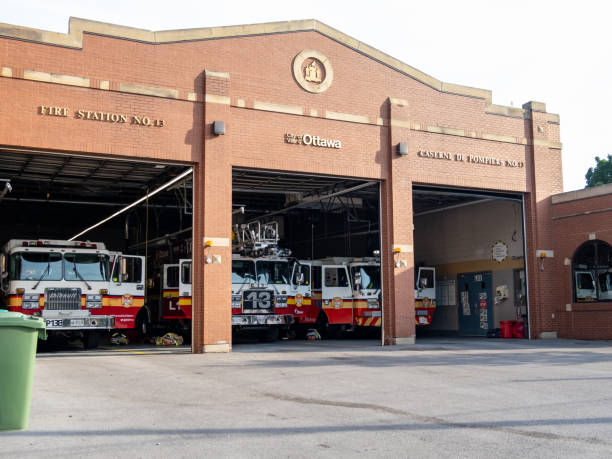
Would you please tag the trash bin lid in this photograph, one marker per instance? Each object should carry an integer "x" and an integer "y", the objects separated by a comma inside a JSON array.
[{"x": 17, "y": 319}]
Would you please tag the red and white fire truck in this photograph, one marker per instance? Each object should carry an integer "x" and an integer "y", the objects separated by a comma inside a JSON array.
[
  {"x": 261, "y": 281},
  {"x": 424, "y": 295},
  {"x": 261, "y": 285},
  {"x": 77, "y": 287},
  {"x": 343, "y": 293}
]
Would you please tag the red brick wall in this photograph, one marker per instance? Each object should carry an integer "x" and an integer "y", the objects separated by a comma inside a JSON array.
[
  {"x": 22, "y": 125},
  {"x": 585, "y": 320}
]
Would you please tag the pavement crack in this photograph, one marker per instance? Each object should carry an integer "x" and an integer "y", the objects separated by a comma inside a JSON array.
[{"x": 440, "y": 422}]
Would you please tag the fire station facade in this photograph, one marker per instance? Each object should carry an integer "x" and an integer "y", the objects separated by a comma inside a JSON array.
[{"x": 302, "y": 97}]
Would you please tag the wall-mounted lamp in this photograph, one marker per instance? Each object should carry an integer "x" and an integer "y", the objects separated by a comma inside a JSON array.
[
  {"x": 207, "y": 246},
  {"x": 396, "y": 256},
  {"x": 219, "y": 127},
  {"x": 542, "y": 254},
  {"x": 402, "y": 148}
]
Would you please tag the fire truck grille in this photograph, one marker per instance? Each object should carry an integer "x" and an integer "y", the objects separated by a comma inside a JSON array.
[
  {"x": 62, "y": 298},
  {"x": 259, "y": 301}
]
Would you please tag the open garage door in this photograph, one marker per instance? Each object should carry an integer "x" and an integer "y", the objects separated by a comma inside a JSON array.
[
  {"x": 469, "y": 250},
  {"x": 306, "y": 252},
  {"x": 86, "y": 240}
]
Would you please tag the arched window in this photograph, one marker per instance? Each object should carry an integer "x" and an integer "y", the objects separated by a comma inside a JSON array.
[{"x": 592, "y": 272}]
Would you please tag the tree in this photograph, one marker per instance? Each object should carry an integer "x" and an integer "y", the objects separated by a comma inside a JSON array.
[{"x": 600, "y": 174}]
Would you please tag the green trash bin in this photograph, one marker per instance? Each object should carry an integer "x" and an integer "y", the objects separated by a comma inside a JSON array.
[{"x": 19, "y": 335}]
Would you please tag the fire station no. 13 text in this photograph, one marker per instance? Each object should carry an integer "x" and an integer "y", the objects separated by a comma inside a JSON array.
[{"x": 97, "y": 115}]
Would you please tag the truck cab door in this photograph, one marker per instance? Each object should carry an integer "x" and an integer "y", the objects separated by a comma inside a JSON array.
[
  {"x": 3, "y": 274},
  {"x": 425, "y": 295},
  {"x": 128, "y": 280},
  {"x": 426, "y": 283},
  {"x": 170, "y": 291},
  {"x": 300, "y": 279},
  {"x": 184, "y": 287},
  {"x": 337, "y": 294}
]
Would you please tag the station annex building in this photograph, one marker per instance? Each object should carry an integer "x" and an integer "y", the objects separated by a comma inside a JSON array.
[{"x": 351, "y": 149}]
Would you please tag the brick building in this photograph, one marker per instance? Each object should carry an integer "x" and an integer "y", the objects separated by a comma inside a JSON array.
[
  {"x": 582, "y": 226},
  {"x": 119, "y": 93}
]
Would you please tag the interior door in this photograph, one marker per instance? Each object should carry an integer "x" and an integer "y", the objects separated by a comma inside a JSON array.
[{"x": 475, "y": 303}]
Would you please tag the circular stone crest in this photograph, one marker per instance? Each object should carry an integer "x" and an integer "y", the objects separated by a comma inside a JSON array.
[{"x": 313, "y": 71}]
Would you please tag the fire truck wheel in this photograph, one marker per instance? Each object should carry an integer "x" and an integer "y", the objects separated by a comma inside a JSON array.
[
  {"x": 90, "y": 339},
  {"x": 270, "y": 335}
]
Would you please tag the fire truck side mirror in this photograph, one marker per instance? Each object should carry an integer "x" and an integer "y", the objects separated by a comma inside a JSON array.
[{"x": 299, "y": 278}]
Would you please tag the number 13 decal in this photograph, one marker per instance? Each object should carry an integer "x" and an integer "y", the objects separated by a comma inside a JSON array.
[{"x": 262, "y": 300}]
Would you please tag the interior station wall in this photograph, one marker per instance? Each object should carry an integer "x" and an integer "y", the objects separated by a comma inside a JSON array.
[{"x": 460, "y": 240}]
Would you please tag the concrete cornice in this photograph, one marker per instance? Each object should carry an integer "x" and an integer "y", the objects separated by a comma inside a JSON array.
[
  {"x": 78, "y": 26},
  {"x": 586, "y": 193}
]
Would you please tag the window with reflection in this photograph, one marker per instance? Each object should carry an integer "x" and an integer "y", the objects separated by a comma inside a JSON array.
[{"x": 592, "y": 272}]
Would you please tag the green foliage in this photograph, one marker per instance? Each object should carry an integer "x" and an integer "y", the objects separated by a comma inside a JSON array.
[{"x": 600, "y": 174}]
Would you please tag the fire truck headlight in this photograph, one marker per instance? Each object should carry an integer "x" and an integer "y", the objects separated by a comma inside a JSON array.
[
  {"x": 93, "y": 305},
  {"x": 30, "y": 305},
  {"x": 94, "y": 298},
  {"x": 31, "y": 297}
]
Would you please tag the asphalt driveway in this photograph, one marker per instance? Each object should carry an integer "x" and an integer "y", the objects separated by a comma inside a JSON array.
[{"x": 439, "y": 398}]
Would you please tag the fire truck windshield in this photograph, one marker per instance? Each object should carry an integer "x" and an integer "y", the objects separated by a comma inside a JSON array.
[
  {"x": 50, "y": 266},
  {"x": 369, "y": 274},
  {"x": 243, "y": 271},
  {"x": 86, "y": 266},
  {"x": 273, "y": 272}
]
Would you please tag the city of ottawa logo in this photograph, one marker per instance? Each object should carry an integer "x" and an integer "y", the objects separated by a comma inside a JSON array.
[
  {"x": 313, "y": 71},
  {"x": 312, "y": 140}
]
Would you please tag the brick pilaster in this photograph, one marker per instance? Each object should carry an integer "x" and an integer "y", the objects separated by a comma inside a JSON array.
[
  {"x": 544, "y": 163},
  {"x": 399, "y": 325},
  {"x": 213, "y": 197}
]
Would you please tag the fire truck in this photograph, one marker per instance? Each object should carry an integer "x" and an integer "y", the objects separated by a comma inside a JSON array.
[
  {"x": 424, "y": 295},
  {"x": 261, "y": 283},
  {"x": 79, "y": 288},
  {"x": 344, "y": 293}
]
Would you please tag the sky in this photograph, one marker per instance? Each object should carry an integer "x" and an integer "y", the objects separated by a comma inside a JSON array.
[{"x": 556, "y": 52}]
